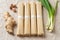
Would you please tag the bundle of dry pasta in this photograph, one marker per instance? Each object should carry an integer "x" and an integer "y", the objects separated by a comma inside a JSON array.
[
  {"x": 27, "y": 20},
  {"x": 33, "y": 19},
  {"x": 20, "y": 25},
  {"x": 32, "y": 24},
  {"x": 40, "y": 30}
]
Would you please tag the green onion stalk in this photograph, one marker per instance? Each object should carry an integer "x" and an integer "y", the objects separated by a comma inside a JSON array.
[{"x": 51, "y": 14}]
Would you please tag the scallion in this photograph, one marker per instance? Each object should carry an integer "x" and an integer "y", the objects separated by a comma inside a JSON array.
[{"x": 51, "y": 13}]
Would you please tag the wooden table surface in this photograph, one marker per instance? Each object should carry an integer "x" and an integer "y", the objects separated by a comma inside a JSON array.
[{"x": 4, "y": 6}]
